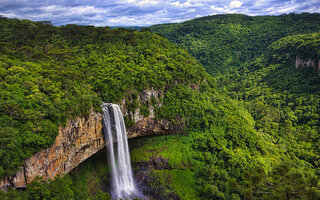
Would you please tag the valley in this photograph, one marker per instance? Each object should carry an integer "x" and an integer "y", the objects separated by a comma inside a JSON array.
[{"x": 218, "y": 107}]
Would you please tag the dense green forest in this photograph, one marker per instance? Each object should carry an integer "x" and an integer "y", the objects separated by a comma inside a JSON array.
[
  {"x": 49, "y": 74},
  {"x": 223, "y": 43},
  {"x": 250, "y": 134},
  {"x": 282, "y": 163}
]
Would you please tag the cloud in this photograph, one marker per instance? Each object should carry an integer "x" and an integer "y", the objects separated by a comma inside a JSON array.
[
  {"x": 144, "y": 12},
  {"x": 235, "y": 4},
  {"x": 219, "y": 9},
  {"x": 186, "y": 4},
  {"x": 77, "y": 10},
  {"x": 142, "y": 2}
]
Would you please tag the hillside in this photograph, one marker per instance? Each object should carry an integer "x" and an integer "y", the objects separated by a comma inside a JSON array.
[
  {"x": 250, "y": 134},
  {"x": 281, "y": 91},
  {"x": 276, "y": 156},
  {"x": 50, "y": 74},
  {"x": 226, "y": 42}
]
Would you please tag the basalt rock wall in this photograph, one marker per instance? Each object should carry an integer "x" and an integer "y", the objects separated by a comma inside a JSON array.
[
  {"x": 313, "y": 63},
  {"x": 81, "y": 138},
  {"x": 77, "y": 141}
]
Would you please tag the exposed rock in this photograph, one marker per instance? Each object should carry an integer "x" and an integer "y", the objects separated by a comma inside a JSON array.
[
  {"x": 83, "y": 137},
  {"x": 80, "y": 139},
  {"x": 149, "y": 125},
  {"x": 145, "y": 98},
  {"x": 308, "y": 63}
]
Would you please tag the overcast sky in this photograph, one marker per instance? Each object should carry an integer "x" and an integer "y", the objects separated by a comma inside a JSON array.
[{"x": 144, "y": 12}]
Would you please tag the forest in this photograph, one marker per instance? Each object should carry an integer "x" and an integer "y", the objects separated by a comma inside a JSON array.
[
  {"x": 250, "y": 129},
  {"x": 223, "y": 43}
]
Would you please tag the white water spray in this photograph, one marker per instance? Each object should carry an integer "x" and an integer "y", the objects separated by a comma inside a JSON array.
[{"x": 115, "y": 131}]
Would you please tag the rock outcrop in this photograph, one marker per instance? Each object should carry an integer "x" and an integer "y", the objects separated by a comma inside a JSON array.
[
  {"x": 77, "y": 141},
  {"x": 147, "y": 125},
  {"x": 315, "y": 64},
  {"x": 83, "y": 137}
]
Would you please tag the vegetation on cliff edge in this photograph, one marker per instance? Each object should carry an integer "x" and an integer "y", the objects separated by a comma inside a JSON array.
[
  {"x": 49, "y": 74},
  {"x": 253, "y": 134}
]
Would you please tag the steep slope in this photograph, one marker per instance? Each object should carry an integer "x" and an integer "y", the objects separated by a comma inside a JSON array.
[
  {"x": 50, "y": 74},
  {"x": 281, "y": 91},
  {"x": 219, "y": 150},
  {"x": 223, "y": 43}
]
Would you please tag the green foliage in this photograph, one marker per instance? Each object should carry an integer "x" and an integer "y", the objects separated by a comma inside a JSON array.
[
  {"x": 89, "y": 178},
  {"x": 144, "y": 110},
  {"x": 208, "y": 164},
  {"x": 259, "y": 142},
  {"x": 303, "y": 47},
  {"x": 101, "y": 196},
  {"x": 284, "y": 102},
  {"x": 86, "y": 182},
  {"x": 270, "y": 150},
  {"x": 50, "y": 74},
  {"x": 10, "y": 150},
  {"x": 179, "y": 155},
  {"x": 223, "y": 43},
  {"x": 58, "y": 189},
  {"x": 293, "y": 184}
]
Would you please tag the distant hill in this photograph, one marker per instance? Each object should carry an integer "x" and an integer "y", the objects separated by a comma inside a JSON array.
[
  {"x": 252, "y": 133},
  {"x": 280, "y": 89},
  {"x": 138, "y": 28},
  {"x": 225, "y": 42}
]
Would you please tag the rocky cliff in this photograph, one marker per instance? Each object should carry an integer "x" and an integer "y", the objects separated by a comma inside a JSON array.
[
  {"x": 78, "y": 140},
  {"x": 147, "y": 125},
  {"x": 83, "y": 137},
  {"x": 315, "y": 64}
]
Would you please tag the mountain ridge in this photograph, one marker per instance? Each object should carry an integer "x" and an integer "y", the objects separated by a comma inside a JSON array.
[
  {"x": 249, "y": 134},
  {"x": 223, "y": 43}
]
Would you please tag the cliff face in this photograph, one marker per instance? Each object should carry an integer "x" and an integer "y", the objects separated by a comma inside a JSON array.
[
  {"x": 77, "y": 141},
  {"x": 147, "y": 125},
  {"x": 83, "y": 137},
  {"x": 315, "y": 64}
]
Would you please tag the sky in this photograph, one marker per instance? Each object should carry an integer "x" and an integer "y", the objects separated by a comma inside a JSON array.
[{"x": 144, "y": 12}]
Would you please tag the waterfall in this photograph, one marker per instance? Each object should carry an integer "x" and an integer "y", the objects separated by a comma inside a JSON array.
[{"x": 123, "y": 186}]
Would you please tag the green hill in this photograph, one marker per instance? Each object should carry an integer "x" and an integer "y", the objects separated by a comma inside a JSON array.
[
  {"x": 251, "y": 134},
  {"x": 284, "y": 101},
  {"x": 49, "y": 74},
  {"x": 226, "y": 42}
]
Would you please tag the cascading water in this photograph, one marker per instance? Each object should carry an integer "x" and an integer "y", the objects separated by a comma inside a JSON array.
[{"x": 115, "y": 132}]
